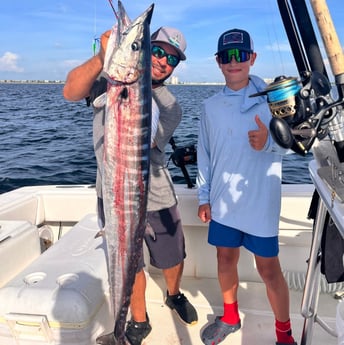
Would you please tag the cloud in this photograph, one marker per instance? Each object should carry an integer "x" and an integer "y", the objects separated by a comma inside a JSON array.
[
  {"x": 9, "y": 63},
  {"x": 71, "y": 63},
  {"x": 285, "y": 47},
  {"x": 58, "y": 45}
]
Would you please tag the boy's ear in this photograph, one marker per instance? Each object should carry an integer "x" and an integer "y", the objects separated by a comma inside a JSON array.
[
  {"x": 253, "y": 58},
  {"x": 217, "y": 59}
]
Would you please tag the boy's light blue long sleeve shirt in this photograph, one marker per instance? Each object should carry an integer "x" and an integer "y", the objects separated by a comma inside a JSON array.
[{"x": 242, "y": 185}]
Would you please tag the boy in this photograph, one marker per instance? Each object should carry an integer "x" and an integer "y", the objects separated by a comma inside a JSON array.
[{"x": 239, "y": 186}]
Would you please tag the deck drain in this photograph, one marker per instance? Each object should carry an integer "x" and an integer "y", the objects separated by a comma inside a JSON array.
[{"x": 34, "y": 278}]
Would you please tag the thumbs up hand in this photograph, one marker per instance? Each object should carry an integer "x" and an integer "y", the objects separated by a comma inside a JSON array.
[{"x": 258, "y": 137}]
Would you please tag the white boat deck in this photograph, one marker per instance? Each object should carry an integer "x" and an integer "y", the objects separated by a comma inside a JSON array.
[
  {"x": 256, "y": 316},
  {"x": 54, "y": 211}
]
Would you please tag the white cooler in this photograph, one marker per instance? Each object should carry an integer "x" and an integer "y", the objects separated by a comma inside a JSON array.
[
  {"x": 62, "y": 296},
  {"x": 19, "y": 246}
]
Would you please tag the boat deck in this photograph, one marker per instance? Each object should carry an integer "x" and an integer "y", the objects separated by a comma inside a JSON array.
[
  {"x": 256, "y": 316},
  {"x": 52, "y": 213}
]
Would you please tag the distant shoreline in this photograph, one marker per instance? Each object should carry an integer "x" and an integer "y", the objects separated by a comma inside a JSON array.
[
  {"x": 62, "y": 82},
  {"x": 32, "y": 82},
  {"x": 267, "y": 80}
]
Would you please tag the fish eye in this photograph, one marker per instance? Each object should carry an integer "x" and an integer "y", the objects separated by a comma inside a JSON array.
[{"x": 135, "y": 46}]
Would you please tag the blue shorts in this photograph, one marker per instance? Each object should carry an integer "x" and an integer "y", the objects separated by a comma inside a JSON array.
[{"x": 224, "y": 236}]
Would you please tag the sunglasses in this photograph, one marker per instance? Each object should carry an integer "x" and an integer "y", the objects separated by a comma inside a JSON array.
[
  {"x": 239, "y": 55},
  {"x": 159, "y": 53}
]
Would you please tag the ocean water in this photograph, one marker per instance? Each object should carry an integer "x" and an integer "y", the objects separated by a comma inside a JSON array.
[{"x": 45, "y": 139}]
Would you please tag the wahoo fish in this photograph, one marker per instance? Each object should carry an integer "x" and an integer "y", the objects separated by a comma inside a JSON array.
[{"x": 126, "y": 158}]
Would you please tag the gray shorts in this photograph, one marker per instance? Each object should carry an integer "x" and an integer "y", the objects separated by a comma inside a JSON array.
[{"x": 164, "y": 237}]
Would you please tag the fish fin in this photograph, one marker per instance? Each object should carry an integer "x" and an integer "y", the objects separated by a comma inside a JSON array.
[
  {"x": 149, "y": 231},
  {"x": 100, "y": 233},
  {"x": 106, "y": 339},
  {"x": 155, "y": 120},
  {"x": 100, "y": 101},
  {"x": 123, "y": 16}
]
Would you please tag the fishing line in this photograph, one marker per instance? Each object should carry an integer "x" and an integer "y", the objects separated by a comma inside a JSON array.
[
  {"x": 281, "y": 96},
  {"x": 269, "y": 6},
  {"x": 96, "y": 40},
  {"x": 113, "y": 9},
  {"x": 290, "y": 88}
]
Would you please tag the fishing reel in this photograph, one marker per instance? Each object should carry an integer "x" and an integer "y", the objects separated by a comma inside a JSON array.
[
  {"x": 301, "y": 110},
  {"x": 181, "y": 156},
  {"x": 184, "y": 155}
]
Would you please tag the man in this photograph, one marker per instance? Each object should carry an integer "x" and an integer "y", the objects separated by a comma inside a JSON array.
[{"x": 167, "y": 249}]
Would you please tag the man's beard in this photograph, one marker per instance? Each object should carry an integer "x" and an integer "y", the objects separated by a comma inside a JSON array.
[{"x": 160, "y": 81}]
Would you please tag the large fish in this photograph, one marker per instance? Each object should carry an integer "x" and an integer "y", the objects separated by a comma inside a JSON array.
[{"x": 125, "y": 170}]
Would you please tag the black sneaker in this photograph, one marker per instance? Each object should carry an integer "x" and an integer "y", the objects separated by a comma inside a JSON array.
[
  {"x": 137, "y": 331},
  {"x": 184, "y": 309}
]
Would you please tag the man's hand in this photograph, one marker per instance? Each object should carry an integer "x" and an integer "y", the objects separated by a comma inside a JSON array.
[
  {"x": 104, "y": 38},
  {"x": 258, "y": 137}
]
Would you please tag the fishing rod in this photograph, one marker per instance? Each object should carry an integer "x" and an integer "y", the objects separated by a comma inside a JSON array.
[
  {"x": 310, "y": 112},
  {"x": 304, "y": 110},
  {"x": 335, "y": 55},
  {"x": 312, "y": 107},
  {"x": 309, "y": 41}
]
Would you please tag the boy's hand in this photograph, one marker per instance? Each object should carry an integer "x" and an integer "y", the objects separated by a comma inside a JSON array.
[
  {"x": 204, "y": 213},
  {"x": 258, "y": 137}
]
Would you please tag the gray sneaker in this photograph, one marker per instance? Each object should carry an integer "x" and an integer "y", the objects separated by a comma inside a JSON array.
[{"x": 217, "y": 331}]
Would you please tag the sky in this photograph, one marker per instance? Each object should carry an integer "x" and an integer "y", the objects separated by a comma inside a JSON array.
[{"x": 44, "y": 40}]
